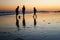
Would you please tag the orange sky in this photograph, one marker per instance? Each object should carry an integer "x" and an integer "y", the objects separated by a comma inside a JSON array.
[{"x": 10, "y": 5}]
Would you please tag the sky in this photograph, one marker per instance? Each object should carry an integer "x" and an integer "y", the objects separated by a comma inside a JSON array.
[{"x": 49, "y": 5}]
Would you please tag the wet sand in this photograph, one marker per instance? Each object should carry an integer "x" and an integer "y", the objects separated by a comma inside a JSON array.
[{"x": 46, "y": 27}]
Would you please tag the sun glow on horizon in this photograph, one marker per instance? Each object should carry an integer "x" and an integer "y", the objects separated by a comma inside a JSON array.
[{"x": 49, "y": 5}]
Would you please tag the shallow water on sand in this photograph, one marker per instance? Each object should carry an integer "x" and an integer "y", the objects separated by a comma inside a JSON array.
[{"x": 45, "y": 27}]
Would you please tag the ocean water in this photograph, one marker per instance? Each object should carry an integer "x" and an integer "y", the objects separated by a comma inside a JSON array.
[{"x": 45, "y": 27}]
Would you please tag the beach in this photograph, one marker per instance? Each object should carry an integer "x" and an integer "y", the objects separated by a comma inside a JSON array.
[{"x": 45, "y": 27}]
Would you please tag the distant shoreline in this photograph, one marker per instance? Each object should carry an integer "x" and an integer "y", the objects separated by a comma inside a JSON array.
[
  {"x": 26, "y": 11},
  {"x": 13, "y": 12}
]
